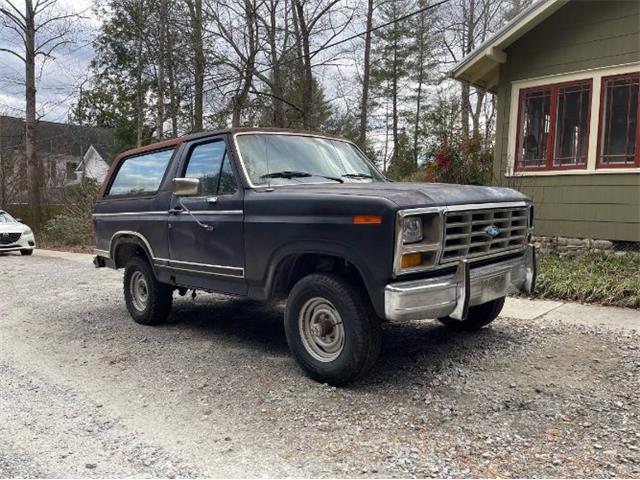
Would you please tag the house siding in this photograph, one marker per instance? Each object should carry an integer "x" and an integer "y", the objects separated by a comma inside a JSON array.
[{"x": 580, "y": 36}]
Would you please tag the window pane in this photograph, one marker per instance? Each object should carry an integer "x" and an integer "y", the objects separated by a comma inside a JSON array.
[
  {"x": 141, "y": 174},
  {"x": 534, "y": 128},
  {"x": 620, "y": 120},
  {"x": 204, "y": 163},
  {"x": 572, "y": 125}
]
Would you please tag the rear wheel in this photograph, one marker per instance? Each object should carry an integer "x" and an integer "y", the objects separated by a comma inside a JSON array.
[
  {"x": 148, "y": 301},
  {"x": 26, "y": 251},
  {"x": 478, "y": 317},
  {"x": 331, "y": 329}
]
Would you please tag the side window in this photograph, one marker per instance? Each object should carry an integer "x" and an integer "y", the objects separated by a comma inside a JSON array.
[
  {"x": 209, "y": 163},
  {"x": 141, "y": 174}
]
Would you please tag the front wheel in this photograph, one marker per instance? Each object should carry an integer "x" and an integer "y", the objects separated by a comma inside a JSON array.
[
  {"x": 26, "y": 251},
  {"x": 331, "y": 329},
  {"x": 148, "y": 301},
  {"x": 478, "y": 317}
]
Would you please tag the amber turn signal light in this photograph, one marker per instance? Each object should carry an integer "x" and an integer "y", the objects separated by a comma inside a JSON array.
[
  {"x": 411, "y": 260},
  {"x": 367, "y": 219}
]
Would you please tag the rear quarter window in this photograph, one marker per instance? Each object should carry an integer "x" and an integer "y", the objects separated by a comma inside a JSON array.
[{"x": 141, "y": 174}]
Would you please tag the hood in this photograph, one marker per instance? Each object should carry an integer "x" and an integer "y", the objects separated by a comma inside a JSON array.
[
  {"x": 12, "y": 227},
  {"x": 408, "y": 195}
]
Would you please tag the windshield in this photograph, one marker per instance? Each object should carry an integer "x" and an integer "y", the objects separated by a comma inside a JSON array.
[
  {"x": 6, "y": 218},
  {"x": 279, "y": 159}
]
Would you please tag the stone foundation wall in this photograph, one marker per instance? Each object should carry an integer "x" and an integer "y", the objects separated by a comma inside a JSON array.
[{"x": 571, "y": 246}]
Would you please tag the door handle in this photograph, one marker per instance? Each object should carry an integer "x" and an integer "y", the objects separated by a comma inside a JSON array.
[
  {"x": 176, "y": 210},
  {"x": 212, "y": 200}
]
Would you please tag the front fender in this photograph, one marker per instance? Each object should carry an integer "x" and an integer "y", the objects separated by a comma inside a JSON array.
[{"x": 336, "y": 249}]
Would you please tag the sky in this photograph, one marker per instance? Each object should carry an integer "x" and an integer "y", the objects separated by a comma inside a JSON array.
[{"x": 57, "y": 80}]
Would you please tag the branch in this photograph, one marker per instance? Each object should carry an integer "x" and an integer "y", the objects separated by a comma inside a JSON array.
[
  {"x": 61, "y": 17},
  {"x": 18, "y": 21},
  {"x": 256, "y": 92},
  {"x": 13, "y": 53}
]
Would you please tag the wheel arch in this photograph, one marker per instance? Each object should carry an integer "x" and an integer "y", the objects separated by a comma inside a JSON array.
[
  {"x": 294, "y": 261},
  {"x": 125, "y": 244}
]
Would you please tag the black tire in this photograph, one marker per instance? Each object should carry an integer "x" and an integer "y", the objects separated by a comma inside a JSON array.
[
  {"x": 159, "y": 297},
  {"x": 361, "y": 329},
  {"x": 478, "y": 316},
  {"x": 26, "y": 251}
]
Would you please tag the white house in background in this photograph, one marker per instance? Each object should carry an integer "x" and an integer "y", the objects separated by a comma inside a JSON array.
[{"x": 92, "y": 165}]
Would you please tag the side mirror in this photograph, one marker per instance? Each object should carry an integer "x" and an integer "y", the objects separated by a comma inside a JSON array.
[{"x": 186, "y": 187}]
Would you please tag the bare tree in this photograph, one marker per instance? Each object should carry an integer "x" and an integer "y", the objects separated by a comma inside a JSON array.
[
  {"x": 39, "y": 30},
  {"x": 235, "y": 23},
  {"x": 316, "y": 18},
  {"x": 277, "y": 32},
  {"x": 366, "y": 76},
  {"x": 198, "y": 60}
]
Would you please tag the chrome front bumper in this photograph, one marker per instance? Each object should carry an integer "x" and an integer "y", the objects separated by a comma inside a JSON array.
[{"x": 453, "y": 294}]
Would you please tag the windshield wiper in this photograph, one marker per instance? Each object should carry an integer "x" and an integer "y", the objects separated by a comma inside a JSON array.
[
  {"x": 296, "y": 174},
  {"x": 357, "y": 175}
]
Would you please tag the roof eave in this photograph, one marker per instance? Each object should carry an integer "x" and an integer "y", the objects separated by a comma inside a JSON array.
[{"x": 481, "y": 67}]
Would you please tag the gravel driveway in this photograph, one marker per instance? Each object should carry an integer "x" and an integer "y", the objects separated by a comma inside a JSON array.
[{"x": 86, "y": 392}]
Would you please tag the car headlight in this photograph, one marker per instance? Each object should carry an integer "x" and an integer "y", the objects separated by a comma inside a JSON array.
[
  {"x": 27, "y": 232},
  {"x": 412, "y": 229}
]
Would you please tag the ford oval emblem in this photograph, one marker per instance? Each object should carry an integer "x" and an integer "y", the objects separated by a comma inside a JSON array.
[{"x": 492, "y": 230}]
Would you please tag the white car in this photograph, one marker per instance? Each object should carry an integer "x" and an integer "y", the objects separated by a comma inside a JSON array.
[{"x": 15, "y": 236}]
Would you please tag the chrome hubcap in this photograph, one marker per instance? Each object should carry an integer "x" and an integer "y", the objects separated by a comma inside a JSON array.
[
  {"x": 321, "y": 329},
  {"x": 139, "y": 291}
]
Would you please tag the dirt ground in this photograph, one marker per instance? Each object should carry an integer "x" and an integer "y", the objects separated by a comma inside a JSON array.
[{"x": 85, "y": 392}]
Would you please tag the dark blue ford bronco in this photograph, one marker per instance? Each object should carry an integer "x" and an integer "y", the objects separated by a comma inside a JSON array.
[{"x": 278, "y": 214}]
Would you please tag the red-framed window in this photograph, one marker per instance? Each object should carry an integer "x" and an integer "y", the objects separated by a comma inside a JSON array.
[
  {"x": 553, "y": 126},
  {"x": 619, "y": 133}
]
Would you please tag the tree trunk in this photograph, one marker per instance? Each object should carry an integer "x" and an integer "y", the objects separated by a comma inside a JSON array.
[
  {"x": 307, "y": 77},
  {"x": 160, "y": 114},
  {"x": 386, "y": 133},
  {"x": 279, "y": 118},
  {"x": 477, "y": 112},
  {"x": 195, "y": 11},
  {"x": 139, "y": 71},
  {"x": 464, "y": 109},
  {"x": 364, "y": 107},
  {"x": 174, "y": 100},
  {"x": 240, "y": 98},
  {"x": 394, "y": 100},
  {"x": 34, "y": 173},
  {"x": 421, "y": 54},
  {"x": 469, "y": 42}
]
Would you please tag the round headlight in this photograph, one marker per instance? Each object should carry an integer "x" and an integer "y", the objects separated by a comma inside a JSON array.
[{"x": 411, "y": 229}]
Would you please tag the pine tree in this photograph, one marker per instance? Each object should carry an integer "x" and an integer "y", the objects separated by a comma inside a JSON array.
[{"x": 390, "y": 70}]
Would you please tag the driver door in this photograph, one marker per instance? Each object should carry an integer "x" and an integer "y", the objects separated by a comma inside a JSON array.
[{"x": 206, "y": 234}]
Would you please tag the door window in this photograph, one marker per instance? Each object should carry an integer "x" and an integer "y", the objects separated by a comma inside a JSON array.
[{"x": 210, "y": 164}]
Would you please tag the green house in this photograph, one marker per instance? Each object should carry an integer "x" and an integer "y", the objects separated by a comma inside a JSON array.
[{"x": 567, "y": 78}]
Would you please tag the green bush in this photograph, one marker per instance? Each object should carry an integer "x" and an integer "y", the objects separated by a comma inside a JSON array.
[
  {"x": 74, "y": 225},
  {"x": 67, "y": 230},
  {"x": 593, "y": 277}
]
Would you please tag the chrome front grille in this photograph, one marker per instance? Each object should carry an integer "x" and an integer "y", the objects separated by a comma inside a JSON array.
[
  {"x": 9, "y": 238},
  {"x": 475, "y": 233}
]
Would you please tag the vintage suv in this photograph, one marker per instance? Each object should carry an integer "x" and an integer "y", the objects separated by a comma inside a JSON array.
[{"x": 278, "y": 214}]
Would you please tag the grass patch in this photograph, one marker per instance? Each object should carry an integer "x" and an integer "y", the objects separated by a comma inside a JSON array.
[{"x": 594, "y": 277}]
